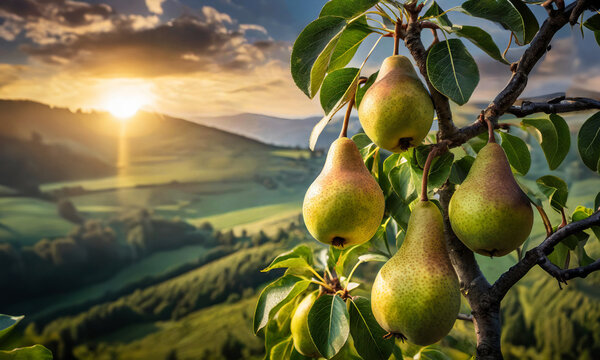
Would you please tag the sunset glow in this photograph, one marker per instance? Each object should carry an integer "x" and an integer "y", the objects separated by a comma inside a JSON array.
[{"x": 123, "y": 106}]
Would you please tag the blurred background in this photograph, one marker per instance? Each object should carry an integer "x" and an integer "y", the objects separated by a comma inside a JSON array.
[{"x": 153, "y": 158}]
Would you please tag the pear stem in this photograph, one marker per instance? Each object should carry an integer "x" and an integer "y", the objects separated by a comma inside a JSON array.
[
  {"x": 397, "y": 31},
  {"x": 430, "y": 157},
  {"x": 344, "y": 132},
  {"x": 490, "y": 126},
  {"x": 545, "y": 220}
]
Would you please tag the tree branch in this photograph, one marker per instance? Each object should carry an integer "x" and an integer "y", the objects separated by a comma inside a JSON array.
[
  {"x": 562, "y": 275},
  {"x": 413, "y": 43},
  {"x": 562, "y": 106},
  {"x": 538, "y": 255},
  {"x": 518, "y": 81}
]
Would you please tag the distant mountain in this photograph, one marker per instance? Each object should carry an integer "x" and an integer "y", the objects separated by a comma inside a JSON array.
[
  {"x": 278, "y": 131},
  {"x": 43, "y": 144}
]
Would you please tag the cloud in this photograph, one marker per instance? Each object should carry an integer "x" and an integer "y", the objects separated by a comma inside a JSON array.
[
  {"x": 155, "y": 6},
  {"x": 138, "y": 46}
]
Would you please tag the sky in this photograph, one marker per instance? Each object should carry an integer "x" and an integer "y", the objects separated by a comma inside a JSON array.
[{"x": 193, "y": 58}]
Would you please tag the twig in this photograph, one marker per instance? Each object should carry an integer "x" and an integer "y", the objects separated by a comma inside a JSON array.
[
  {"x": 566, "y": 105},
  {"x": 545, "y": 220},
  {"x": 436, "y": 150},
  {"x": 537, "y": 255},
  {"x": 562, "y": 275},
  {"x": 465, "y": 317}
]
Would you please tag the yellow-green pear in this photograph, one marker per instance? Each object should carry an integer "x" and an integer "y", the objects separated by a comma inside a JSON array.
[
  {"x": 344, "y": 205},
  {"x": 299, "y": 328},
  {"x": 416, "y": 293},
  {"x": 489, "y": 212},
  {"x": 396, "y": 112}
]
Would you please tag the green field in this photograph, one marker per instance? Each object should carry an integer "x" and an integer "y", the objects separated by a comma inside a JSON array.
[
  {"x": 28, "y": 220},
  {"x": 153, "y": 265}
]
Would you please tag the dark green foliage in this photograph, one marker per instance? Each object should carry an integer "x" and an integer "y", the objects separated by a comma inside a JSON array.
[
  {"x": 208, "y": 285},
  {"x": 567, "y": 326}
]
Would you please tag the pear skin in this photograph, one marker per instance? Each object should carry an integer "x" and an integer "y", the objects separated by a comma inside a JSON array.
[
  {"x": 416, "y": 294},
  {"x": 344, "y": 205},
  {"x": 396, "y": 112},
  {"x": 299, "y": 328},
  {"x": 489, "y": 212}
]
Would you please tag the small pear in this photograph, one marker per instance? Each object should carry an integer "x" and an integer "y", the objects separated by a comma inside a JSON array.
[
  {"x": 344, "y": 205},
  {"x": 396, "y": 112},
  {"x": 489, "y": 212},
  {"x": 299, "y": 328},
  {"x": 416, "y": 293}
]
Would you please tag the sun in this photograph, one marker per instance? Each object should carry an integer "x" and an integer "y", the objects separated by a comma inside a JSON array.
[{"x": 124, "y": 106}]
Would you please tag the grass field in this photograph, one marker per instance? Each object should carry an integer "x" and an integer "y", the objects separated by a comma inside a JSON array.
[
  {"x": 202, "y": 331},
  {"x": 152, "y": 265},
  {"x": 28, "y": 220},
  {"x": 252, "y": 218}
]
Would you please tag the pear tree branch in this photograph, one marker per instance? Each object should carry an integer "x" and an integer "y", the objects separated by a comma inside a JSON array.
[
  {"x": 559, "y": 105},
  {"x": 414, "y": 44},
  {"x": 521, "y": 69},
  {"x": 538, "y": 256}
]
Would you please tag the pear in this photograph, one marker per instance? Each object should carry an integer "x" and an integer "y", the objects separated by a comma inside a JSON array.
[
  {"x": 416, "y": 294},
  {"x": 396, "y": 112},
  {"x": 299, "y": 328},
  {"x": 489, "y": 212},
  {"x": 344, "y": 205}
]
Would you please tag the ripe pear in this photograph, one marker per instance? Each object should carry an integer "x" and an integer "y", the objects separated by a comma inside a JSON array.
[
  {"x": 489, "y": 212},
  {"x": 396, "y": 112},
  {"x": 344, "y": 205},
  {"x": 299, "y": 328},
  {"x": 416, "y": 293}
]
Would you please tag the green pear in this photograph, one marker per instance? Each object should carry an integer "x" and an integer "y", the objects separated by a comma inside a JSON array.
[
  {"x": 299, "y": 328},
  {"x": 416, "y": 293},
  {"x": 489, "y": 212},
  {"x": 344, "y": 205},
  {"x": 396, "y": 112}
]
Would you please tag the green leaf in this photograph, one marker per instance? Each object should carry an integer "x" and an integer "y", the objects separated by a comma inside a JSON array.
[
  {"x": 347, "y": 8},
  {"x": 401, "y": 180},
  {"x": 438, "y": 172},
  {"x": 535, "y": 197},
  {"x": 312, "y": 52},
  {"x": 35, "y": 352},
  {"x": 431, "y": 352},
  {"x": 328, "y": 324},
  {"x": 588, "y": 142},
  {"x": 593, "y": 23},
  {"x": 559, "y": 255},
  {"x": 479, "y": 38},
  {"x": 360, "y": 92},
  {"x": 517, "y": 152},
  {"x": 300, "y": 256},
  {"x": 580, "y": 213},
  {"x": 434, "y": 11},
  {"x": 349, "y": 257},
  {"x": 582, "y": 257},
  {"x": 512, "y": 15},
  {"x": 7, "y": 323},
  {"x": 274, "y": 296},
  {"x": 554, "y": 137},
  {"x": 318, "y": 128},
  {"x": 366, "y": 332},
  {"x": 460, "y": 169},
  {"x": 555, "y": 190},
  {"x": 372, "y": 257},
  {"x": 452, "y": 70},
  {"x": 334, "y": 87},
  {"x": 283, "y": 350},
  {"x": 354, "y": 34}
]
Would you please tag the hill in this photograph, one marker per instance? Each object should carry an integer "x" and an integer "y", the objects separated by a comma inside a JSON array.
[
  {"x": 278, "y": 131},
  {"x": 58, "y": 145}
]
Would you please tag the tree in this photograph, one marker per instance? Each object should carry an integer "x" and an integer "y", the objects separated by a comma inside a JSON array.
[{"x": 319, "y": 59}]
